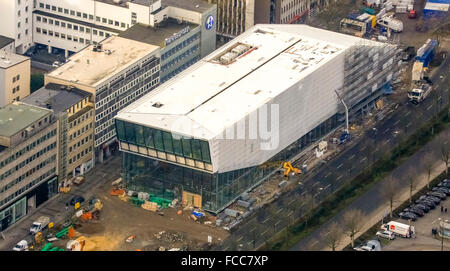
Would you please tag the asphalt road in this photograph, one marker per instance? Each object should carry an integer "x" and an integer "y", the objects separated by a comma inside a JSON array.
[
  {"x": 374, "y": 198},
  {"x": 55, "y": 208},
  {"x": 328, "y": 178}
]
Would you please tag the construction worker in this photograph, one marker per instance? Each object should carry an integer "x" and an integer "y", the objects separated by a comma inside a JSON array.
[{"x": 67, "y": 206}]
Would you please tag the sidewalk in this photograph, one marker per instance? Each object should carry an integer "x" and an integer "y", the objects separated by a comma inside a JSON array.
[{"x": 373, "y": 204}]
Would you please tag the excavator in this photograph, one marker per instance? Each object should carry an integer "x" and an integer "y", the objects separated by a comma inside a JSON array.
[
  {"x": 286, "y": 165},
  {"x": 288, "y": 168}
]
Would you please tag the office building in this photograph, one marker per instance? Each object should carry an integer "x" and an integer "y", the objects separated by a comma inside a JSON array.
[
  {"x": 14, "y": 77},
  {"x": 28, "y": 154},
  {"x": 117, "y": 71},
  {"x": 74, "y": 110},
  {"x": 188, "y": 138},
  {"x": 184, "y": 37},
  {"x": 72, "y": 25},
  {"x": 17, "y": 23}
]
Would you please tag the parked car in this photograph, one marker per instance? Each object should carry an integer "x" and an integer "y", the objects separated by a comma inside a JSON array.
[
  {"x": 386, "y": 234},
  {"x": 76, "y": 199},
  {"x": 416, "y": 211},
  {"x": 442, "y": 189},
  {"x": 444, "y": 183},
  {"x": 408, "y": 216},
  {"x": 426, "y": 202},
  {"x": 21, "y": 246},
  {"x": 440, "y": 195},
  {"x": 421, "y": 206},
  {"x": 431, "y": 198}
]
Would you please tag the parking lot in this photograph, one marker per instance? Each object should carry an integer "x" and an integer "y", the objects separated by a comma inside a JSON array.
[{"x": 424, "y": 239}]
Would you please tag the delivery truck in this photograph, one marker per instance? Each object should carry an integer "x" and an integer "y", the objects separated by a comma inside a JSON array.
[
  {"x": 39, "y": 224},
  {"x": 417, "y": 95},
  {"x": 399, "y": 229}
]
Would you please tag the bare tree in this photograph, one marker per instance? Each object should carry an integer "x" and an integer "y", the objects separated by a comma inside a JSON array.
[
  {"x": 412, "y": 183},
  {"x": 352, "y": 223},
  {"x": 333, "y": 236},
  {"x": 428, "y": 162},
  {"x": 309, "y": 205},
  {"x": 389, "y": 192},
  {"x": 445, "y": 150}
]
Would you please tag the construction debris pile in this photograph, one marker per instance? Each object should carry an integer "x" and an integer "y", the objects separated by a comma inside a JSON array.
[{"x": 168, "y": 237}]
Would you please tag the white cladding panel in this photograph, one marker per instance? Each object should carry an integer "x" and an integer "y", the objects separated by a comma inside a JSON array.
[{"x": 302, "y": 107}]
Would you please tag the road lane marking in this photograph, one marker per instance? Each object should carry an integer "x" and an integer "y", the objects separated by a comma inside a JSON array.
[
  {"x": 351, "y": 157},
  {"x": 327, "y": 186},
  {"x": 226, "y": 248},
  {"x": 263, "y": 232},
  {"x": 313, "y": 244},
  {"x": 278, "y": 222},
  {"x": 363, "y": 148},
  {"x": 340, "y": 176},
  {"x": 316, "y": 183},
  {"x": 316, "y": 194},
  {"x": 395, "y": 123},
  {"x": 326, "y": 233},
  {"x": 328, "y": 174},
  {"x": 240, "y": 238},
  {"x": 362, "y": 160},
  {"x": 279, "y": 210},
  {"x": 409, "y": 124},
  {"x": 385, "y": 131},
  {"x": 429, "y": 107},
  {"x": 264, "y": 222},
  {"x": 338, "y": 167},
  {"x": 290, "y": 213},
  {"x": 407, "y": 113},
  {"x": 252, "y": 230},
  {"x": 291, "y": 202}
]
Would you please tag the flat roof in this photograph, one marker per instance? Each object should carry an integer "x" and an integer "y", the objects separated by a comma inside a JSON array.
[
  {"x": 92, "y": 68},
  {"x": 209, "y": 95},
  {"x": 15, "y": 117},
  {"x": 56, "y": 97},
  {"x": 5, "y": 41},
  {"x": 8, "y": 59},
  {"x": 155, "y": 35},
  {"x": 192, "y": 5}
]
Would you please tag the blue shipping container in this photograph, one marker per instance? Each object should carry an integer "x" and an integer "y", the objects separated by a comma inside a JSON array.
[{"x": 428, "y": 55}]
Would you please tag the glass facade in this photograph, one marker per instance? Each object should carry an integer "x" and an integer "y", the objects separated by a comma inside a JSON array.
[
  {"x": 217, "y": 190},
  {"x": 162, "y": 141}
]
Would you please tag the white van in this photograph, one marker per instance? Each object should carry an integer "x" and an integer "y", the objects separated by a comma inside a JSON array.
[{"x": 393, "y": 24}]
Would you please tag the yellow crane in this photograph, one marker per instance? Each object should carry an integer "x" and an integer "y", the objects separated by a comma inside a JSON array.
[{"x": 288, "y": 168}]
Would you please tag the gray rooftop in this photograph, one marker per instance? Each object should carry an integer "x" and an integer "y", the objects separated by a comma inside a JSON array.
[
  {"x": 15, "y": 117},
  {"x": 155, "y": 35},
  {"x": 5, "y": 41},
  {"x": 54, "y": 97},
  {"x": 8, "y": 60},
  {"x": 193, "y": 5}
]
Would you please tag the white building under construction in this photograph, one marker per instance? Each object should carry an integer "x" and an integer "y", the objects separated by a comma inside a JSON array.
[{"x": 195, "y": 137}]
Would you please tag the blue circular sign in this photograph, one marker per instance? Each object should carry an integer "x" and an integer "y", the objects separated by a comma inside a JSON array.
[{"x": 209, "y": 22}]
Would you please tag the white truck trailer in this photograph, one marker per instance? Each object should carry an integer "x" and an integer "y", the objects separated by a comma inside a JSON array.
[{"x": 399, "y": 229}]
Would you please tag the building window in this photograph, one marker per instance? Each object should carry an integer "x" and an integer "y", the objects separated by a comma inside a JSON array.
[
  {"x": 63, "y": 36},
  {"x": 104, "y": 20},
  {"x": 53, "y": 8},
  {"x": 94, "y": 32},
  {"x": 50, "y": 21},
  {"x": 41, "y": 5},
  {"x": 91, "y": 17},
  {"x": 38, "y": 18},
  {"x": 122, "y": 25},
  {"x": 66, "y": 11},
  {"x": 44, "y": 20},
  {"x": 85, "y": 15},
  {"x": 72, "y": 12},
  {"x": 69, "y": 26},
  {"x": 78, "y": 14},
  {"x": 57, "y": 23},
  {"x": 47, "y": 6},
  {"x": 75, "y": 27},
  {"x": 38, "y": 30},
  {"x": 63, "y": 24},
  {"x": 81, "y": 29},
  {"x": 60, "y": 9},
  {"x": 110, "y": 22}
]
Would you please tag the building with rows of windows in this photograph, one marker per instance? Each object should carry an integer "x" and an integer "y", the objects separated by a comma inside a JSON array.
[
  {"x": 74, "y": 110},
  {"x": 72, "y": 25},
  {"x": 203, "y": 137},
  {"x": 28, "y": 160},
  {"x": 117, "y": 71},
  {"x": 14, "y": 77}
]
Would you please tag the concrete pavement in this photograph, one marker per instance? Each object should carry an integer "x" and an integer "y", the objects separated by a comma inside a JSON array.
[{"x": 55, "y": 207}]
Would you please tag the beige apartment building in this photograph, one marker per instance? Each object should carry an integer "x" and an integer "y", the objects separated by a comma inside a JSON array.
[
  {"x": 236, "y": 16},
  {"x": 74, "y": 110},
  {"x": 14, "y": 77}
]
